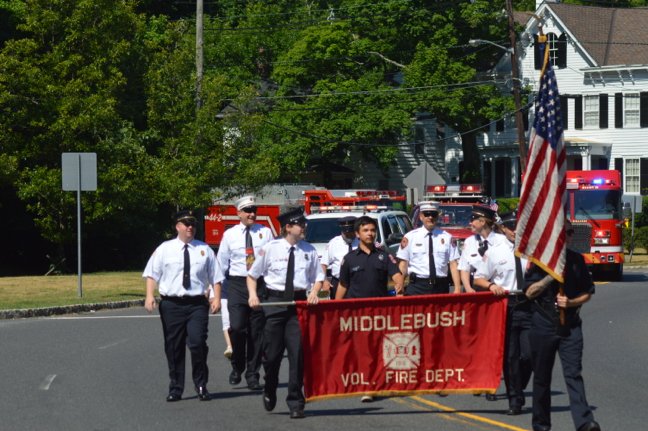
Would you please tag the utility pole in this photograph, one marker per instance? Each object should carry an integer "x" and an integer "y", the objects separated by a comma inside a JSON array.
[
  {"x": 515, "y": 74},
  {"x": 199, "y": 53}
]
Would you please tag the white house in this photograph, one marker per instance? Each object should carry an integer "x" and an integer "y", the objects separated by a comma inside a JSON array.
[{"x": 600, "y": 56}]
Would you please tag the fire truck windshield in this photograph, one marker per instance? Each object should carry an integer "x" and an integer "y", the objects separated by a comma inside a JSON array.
[
  {"x": 454, "y": 215},
  {"x": 597, "y": 204}
]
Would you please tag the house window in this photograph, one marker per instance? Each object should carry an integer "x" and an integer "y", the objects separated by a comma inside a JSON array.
[
  {"x": 632, "y": 172},
  {"x": 557, "y": 51},
  {"x": 631, "y": 109},
  {"x": 591, "y": 111}
]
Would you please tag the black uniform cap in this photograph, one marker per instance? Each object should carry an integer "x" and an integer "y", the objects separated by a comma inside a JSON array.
[
  {"x": 509, "y": 220},
  {"x": 292, "y": 216},
  {"x": 483, "y": 211},
  {"x": 184, "y": 215}
]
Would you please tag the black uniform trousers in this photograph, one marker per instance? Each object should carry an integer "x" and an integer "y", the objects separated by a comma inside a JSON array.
[
  {"x": 282, "y": 332},
  {"x": 422, "y": 286},
  {"x": 246, "y": 328},
  {"x": 545, "y": 342},
  {"x": 517, "y": 349},
  {"x": 185, "y": 323}
]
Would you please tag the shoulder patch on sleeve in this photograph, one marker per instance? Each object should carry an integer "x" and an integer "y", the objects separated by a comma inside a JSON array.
[{"x": 404, "y": 242}]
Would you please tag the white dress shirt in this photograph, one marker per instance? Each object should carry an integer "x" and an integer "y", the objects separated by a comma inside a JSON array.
[
  {"x": 231, "y": 252},
  {"x": 335, "y": 251},
  {"x": 272, "y": 265},
  {"x": 166, "y": 267},
  {"x": 415, "y": 250}
]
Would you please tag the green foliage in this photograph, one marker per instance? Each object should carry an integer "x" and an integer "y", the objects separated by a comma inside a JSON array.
[{"x": 507, "y": 204}]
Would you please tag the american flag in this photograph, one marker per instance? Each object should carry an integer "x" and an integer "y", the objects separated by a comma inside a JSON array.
[{"x": 540, "y": 229}]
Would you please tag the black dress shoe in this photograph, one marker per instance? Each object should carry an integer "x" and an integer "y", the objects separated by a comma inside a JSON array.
[
  {"x": 234, "y": 378},
  {"x": 514, "y": 411},
  {"x": 297, "y": 414},
  {"x": 173, "y": 397},
  {"x": 590, "y": 426},
  {"x": 491, "y": 397},
  {"x": 203, "y": 393},
  {"x": 254, "y": 386},
  {"x": 269, "y": 401}
]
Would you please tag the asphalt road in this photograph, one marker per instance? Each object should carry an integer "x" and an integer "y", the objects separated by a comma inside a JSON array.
[{"x": 106, "y": 371}]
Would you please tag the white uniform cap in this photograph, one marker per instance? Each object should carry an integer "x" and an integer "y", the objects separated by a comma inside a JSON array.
[
  {"x": 245, "y": 201},
  {"x": 429, "y": 206}
]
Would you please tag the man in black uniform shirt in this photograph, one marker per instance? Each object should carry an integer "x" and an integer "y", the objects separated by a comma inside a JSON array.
[
  {"x": 364, "y": 272},
  {"x": 548, "y": 336}
]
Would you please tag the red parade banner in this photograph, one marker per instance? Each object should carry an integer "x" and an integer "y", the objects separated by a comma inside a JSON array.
[{"x": 403, "y": 346}]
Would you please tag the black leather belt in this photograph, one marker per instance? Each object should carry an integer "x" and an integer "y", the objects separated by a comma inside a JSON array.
[
  {"x": 236, "y": 277},
  {"x": 415, "y": 278}
]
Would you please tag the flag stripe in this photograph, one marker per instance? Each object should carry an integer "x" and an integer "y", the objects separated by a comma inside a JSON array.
[{"x": 540, "y": 232}]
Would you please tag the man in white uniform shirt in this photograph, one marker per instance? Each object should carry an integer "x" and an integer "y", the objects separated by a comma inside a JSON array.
[
  {"x": 238, "y": 250},
  {"x": 427, "y": 254},
  {"x": 182, "y": 270},
  {"x": 336, "y": 249},
  {"x": 503, "y": 274},
  {"x": 290, "y": 267}
]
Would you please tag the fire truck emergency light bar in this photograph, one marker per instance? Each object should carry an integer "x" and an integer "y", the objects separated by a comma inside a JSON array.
[
  {"x": 576, "y": 183},
  {"x": 443, "y": 189},
  {"x": 340, "y": 208}
]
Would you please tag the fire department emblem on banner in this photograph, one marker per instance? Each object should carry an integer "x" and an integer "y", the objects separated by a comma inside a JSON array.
[{"x": 402, "y": 351}]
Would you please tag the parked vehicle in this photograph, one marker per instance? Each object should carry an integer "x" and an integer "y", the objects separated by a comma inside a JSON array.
[{"x": 323, "y": 225}]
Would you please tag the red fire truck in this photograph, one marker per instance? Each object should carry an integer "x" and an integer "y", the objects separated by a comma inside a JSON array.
[
  {"x": 456, "y": 201},
  {"x": 223, "y": 215},
  {"x": 594, "y": 205}
]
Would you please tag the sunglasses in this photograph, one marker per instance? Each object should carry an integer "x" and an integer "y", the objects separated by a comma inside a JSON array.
[
  {"x": 430, "y": 214},
  {"x": 249, "y": 210},
  {"x": 569, "y": 232},
  {"x": 475, "y": 217},
  {"x": 189, "y": 223}
]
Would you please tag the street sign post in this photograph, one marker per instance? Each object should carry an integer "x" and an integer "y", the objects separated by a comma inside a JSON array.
[{"x": 79, "y": 173}]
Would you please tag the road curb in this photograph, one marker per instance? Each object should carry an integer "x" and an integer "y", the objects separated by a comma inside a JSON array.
[{"x": 67, "y": 309}]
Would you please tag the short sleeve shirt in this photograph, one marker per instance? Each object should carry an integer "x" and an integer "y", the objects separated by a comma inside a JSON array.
[
  {"x": 231, "y": 252},
  {"x": 335, "y": 251},
  {"x": 414, "y": 249},
  {"x": 366, "y": 274},
  {"x": 272, "y": 265},
  {"x": 166, "y": 267},
  {"x": 499, "y": 265}
]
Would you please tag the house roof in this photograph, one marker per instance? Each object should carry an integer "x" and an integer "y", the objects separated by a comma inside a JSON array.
[{"x": 611, "y": 36}]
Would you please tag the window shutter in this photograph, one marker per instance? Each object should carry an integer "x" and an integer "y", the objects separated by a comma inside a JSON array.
[
  {"x": 618, "y": 110},
  {"x": 564, "y": 109},
  {"x": 603, "y": 111},
  {"x": 561, "y": 57},
  {"x": 643, "y": 109},
  {"x": 643, "y": 176},
  {"x": 618, "y": 165},
  {"x": 499, "y": 125},
  {"x": 537, "y": 58},
  {"x": 578, "y": 112}
]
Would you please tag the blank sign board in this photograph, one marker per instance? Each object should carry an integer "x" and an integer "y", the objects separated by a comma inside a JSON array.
[{"x": 79, "y": 167}]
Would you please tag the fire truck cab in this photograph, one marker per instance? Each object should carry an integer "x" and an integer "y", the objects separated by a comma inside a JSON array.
[{"x": 594, "y": 206}]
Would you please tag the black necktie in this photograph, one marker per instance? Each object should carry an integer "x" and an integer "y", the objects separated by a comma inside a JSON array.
[
  {"x": 249, "y": 249},
  {"x": 431, "y": 259},
  {"x": 350, "y": 246},
  {"x": 483, "y": 246},
  {"x": 289, "y": 293},
  {"x": 186, "y": 273}
]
